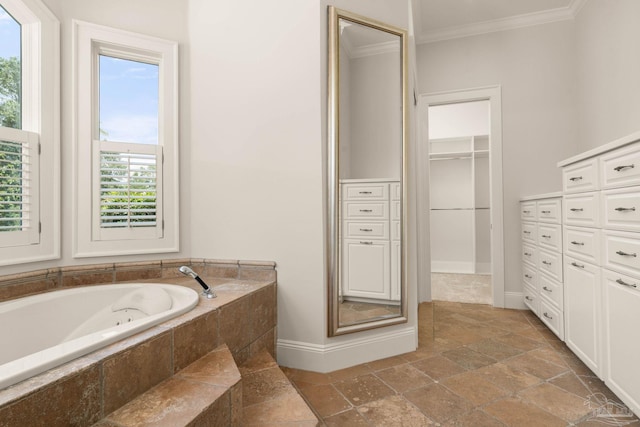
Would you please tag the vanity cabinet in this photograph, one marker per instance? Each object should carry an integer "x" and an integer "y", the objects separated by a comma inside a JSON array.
[
  {"x": 542, "y": 272},
  {"x": 370, "y": 234},
  {"x": 602, "y": 268}
]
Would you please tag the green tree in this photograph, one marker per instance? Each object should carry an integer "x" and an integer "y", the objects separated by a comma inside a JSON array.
[{"x": 10, "y": 71}]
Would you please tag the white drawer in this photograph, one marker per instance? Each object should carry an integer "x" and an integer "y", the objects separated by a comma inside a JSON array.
[
  {"x": 582, "y": 210},
  {"x": 369, "y": 230},
  {"x": 552, "y": 291},
  {"x": 528, "y": 211},
  {"x": 550, "y": 210},
  {"x": 377, "y": 191},
  {"x": 396, "y": 233},
  {"x": 530, "y": 232},
  {"x": 530, "y": 254},
  {"x": 582, "y": 243},
  {"x": 550, "y": 263},
  {"x": 580, "y": 177},
  {"x": 552, "y": 317},
  {"x": 621, "y": 252},
  {"x": 531, "y": 299},
  {"x": 621, "y": 209},
  {"x": 621, "y": 167},
  {"x": 395, "y": 210},
  {"x": 396, "y": 192},
  {"x": 530, "y": 276},
  {"x": 361, "y": 210},
  {"x": 550, "y": 236}
]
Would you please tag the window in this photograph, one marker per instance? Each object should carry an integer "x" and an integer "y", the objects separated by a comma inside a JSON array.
[
  {"x": 29, "y": 132},
  {"x": 126, "y": 140}
]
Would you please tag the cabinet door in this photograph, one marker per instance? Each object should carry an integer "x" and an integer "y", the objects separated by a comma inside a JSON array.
[
  {"x": 622, "y": 344},
  {"x": 396, "y": 269},
  {"x": 365, "y": 269},
  {"x": 582, "y": 302}
]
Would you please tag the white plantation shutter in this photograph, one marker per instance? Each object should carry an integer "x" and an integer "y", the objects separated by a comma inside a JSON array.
[
  {"x": 19, "y": 188},
  {"x": 127, "y": 191}
]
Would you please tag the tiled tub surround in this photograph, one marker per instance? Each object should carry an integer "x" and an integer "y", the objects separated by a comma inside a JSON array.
[{"x": 85, "y": 390}]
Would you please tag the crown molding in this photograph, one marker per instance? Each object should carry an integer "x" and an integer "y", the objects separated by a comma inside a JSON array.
[
  {"x": 504, "y": 24},
  {"x": 375, "y": 49}
]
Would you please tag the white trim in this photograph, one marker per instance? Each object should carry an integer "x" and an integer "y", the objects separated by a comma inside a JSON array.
[
  {"x": 514, "y": 300},
  {"x": 340, "y": 355},
  {"x": 494, "y": 95},
  {"x": 503, "y": 24},
  {"x": 375, "y": 49}
]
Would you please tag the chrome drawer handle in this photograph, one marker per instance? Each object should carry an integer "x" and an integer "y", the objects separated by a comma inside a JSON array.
[
  {"x": 576, "y": 209},
  {"x": 546, "y": 212},
  {"x": 528, "y": 298},
  {"x": 575, "y": 178},
  {"x": 528, "y": 277},
  {"x": 622, "y": 282},
  {"x": 619, "y": 168},
  {"x": 366, "y": 243},
  {"x": 366, "y": 210},
  {"x": 526, "y": 212},
  {"x": 626, "y": 209},
  {"x": 364, "y": 192},
  {"x": 546, "y": 236},
  {"x": 577, "y": 243},
  {"x": 575, "y": 264},
  {"x": 366, "y": 229},
  {"x": 547, "y": 316},
  {"x": 547, "y": 289},
  {"x": 626, "y": 254},
  {"x": 527, "y": 254},
  {"x": 546, "y": 262},
  {"x": 526, "y": 232}
]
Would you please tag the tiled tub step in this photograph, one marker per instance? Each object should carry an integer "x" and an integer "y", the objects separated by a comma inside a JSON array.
[
  {"x": 269, "y": 398},
  {"x": 208, "y": 392}
]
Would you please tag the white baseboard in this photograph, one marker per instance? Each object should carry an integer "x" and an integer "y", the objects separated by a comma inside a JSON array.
[
  {"x": 333, "y": 356},
  {"x": 514, "y": 300}
]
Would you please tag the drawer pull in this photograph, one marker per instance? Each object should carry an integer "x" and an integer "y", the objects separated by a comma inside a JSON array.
[
  {"x": 619, "y": 168},
  {"x": 366, "y": 229},
  {"x": 546, "y": 262},
  {"x": 364, "y": 192},
  {"x": 366, "y": 210},
  {"x": 575, "y": 264},
  {"x": 526, "y": 232},
  {"x": 528, "y": 276},
  {"x": 526, "y": 212},
  {"x": 626, "y": 254},
  {"x": 575, "y": 178},
  {"x": 547, "y": 316},
  {"x": 622, "y": 282},
  {"x": 547, "y": 289},
  {"x": 546, "y": 236},
  {"x": 577, "y": 243},
  {"x": 366, "y": 243},
  {"x": 546, "y": 212},
  {"x": 527, "y": 254},
  {"x": 528, "y": 298},
  {"x": 626, "y": 209},
  {"x": 576, "y": 209}
]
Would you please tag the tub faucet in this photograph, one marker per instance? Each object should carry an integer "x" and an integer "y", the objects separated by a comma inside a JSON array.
[{"x": 207, "y": 291}]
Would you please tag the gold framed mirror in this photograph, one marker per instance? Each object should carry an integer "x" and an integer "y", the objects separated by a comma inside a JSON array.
[{"x": 367, "y": 173}]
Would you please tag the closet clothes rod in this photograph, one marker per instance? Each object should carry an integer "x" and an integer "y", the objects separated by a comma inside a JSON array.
[{"x": 459, "y": 209}]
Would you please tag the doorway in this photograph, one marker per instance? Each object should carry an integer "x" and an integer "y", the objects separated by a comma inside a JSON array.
[{"x": 460, "y": 197}]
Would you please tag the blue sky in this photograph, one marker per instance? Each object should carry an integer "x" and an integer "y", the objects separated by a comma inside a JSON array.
[{"x": 9, "y": 35}]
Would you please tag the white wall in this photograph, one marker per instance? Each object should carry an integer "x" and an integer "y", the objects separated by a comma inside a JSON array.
[
  {"x": 534, "y": 67},
  {"x": 456, "y": 120},
  {"x": 607, "y": 71}
]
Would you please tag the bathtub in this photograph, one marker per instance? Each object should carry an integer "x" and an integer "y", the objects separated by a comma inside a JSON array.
[{"x": 43, "y": 331}]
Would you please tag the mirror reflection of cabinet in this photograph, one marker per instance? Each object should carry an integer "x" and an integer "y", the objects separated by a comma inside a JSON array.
[
  {"x": 460, "y": 205},
  {"x": 370, "y": 240}
]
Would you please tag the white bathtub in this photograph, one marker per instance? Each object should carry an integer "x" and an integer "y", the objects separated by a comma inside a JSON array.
[{"x": 43, "y": 331}]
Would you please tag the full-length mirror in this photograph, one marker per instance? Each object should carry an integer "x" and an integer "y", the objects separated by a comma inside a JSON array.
[{"x": 366, "y": 173}]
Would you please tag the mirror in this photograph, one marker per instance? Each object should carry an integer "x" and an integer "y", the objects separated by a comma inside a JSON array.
[{"x": 367, "y": 135}]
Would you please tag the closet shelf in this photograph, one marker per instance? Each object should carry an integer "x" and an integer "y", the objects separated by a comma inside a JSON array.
[
  {"x": 458, "y": 209},
  {"x": 451, "y": 155}
]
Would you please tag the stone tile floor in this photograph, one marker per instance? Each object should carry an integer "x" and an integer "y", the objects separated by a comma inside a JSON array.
[
  {"x": 475, "y": 366},
  {"x": 468, "y": 288}
]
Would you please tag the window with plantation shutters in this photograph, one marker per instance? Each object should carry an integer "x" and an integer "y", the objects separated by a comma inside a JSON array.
[
  {"x": 19, "y": 198},
  {"x": 126, "y": 142}
]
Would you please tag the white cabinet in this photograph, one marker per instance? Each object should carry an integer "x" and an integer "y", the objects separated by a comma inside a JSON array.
[
  {"x": 370, "y": 234},
  {"x": 542, "y": 275}
]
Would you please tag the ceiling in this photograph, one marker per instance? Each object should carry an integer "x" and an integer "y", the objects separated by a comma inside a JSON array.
[{"x": 436, "y": 20}]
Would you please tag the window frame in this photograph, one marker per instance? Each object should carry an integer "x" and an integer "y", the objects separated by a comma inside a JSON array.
[
  {"x": 91, "y": 41},
  {"x": 40, "y": 109}
]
